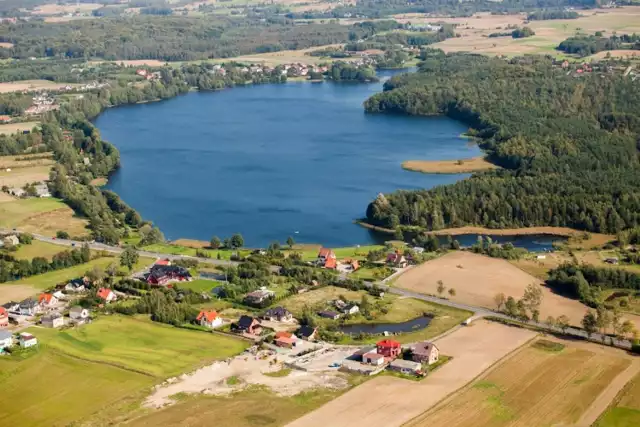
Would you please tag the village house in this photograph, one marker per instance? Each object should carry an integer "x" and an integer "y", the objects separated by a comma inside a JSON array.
[
  {"x": 10, "y": 240},
  {"x": 389, "y": 348},
  {"x": 26, "y": 340},
  {"x": 47, "y": 300},
  {"x": 285, "y": 339},
  {"x": 4, "y": 118},
  {"x": 426, "y": 352},
  {"x": 350, "y": 264},
  {"x": 248, "y": 324},
  {"x": 209, "y": 319},
  {"x": 259, "y": 296},
  {"x": 17, "y": 192},
  {"x": 106, "y": 295},
  {"x": 307, "y": 333},
  {"x": 160, "y": 274},
  {"x": 30, "y": 307},
  {"x": 405, "y": 366},
  {"x": 329, "y": 315},
  {"x": 12, "y": 307},
  {"x": 351, "y": 309},
  {"x": 396, "y": 259},
  {"x": 77, "y": 285},
  {"x": 327, "y": 259},
  {"x": 278, "y": 314},
  {"x": 53, "y": 320},
  {"x": 79, "y": 314},
  {"x": 4, "y": 317},
  {"x": 6, "y": 340},
  {"x": 373, "y": 358}
]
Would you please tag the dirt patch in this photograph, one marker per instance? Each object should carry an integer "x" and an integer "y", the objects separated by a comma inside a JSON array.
[
  {"x": 449, "y": 166},
  {"x": 6, "y": 45},
  {"x": 15, "y": 292},
  {"x": 536, "y": 388},
  {"x": 223, "y": 378},
  {"x": 391, "y": 402},
  {"x": 615, "y": 54}
]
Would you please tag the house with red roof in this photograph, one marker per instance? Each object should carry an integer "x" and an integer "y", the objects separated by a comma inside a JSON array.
[
  {"x": 165, "y": 261},
  {"x": 47, "y": 300},
  {"x": 327, "y": 258},
  {"x": 209, "y": 319},
  {"x": 396, "y": 259},
  {"x": 4, "y": 317},
  {"x": 389, "y": 348},
  {"x": 106, "y": 295},
  {"x": 285, "y": 339}
]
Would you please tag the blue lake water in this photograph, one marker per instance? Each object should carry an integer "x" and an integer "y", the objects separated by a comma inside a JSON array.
[{"x": 271, "y": 161}]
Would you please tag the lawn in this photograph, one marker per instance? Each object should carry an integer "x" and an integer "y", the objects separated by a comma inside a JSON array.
[
  {"x": 41, "y": 215},
  {"x": 310, "y": 252},
  {"x": 38, "y": 249},
  {"x": 626, "y": 410},
  {"x": 140, "y": 345},
  {"x": 534, "y": 388},
  {"x": 166, "y": 248},
  {"x": 52, "y": 389},
  {"x": 200, "y": 285}
]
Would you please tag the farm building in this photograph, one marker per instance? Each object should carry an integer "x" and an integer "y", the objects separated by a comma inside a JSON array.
[
  {"x": 426, "y": 352},
  {"x": 389, "y": 348},
  {"x": 209, "y": 319},
  {"x": 405, "y": 366},
  {"x": 327, "y": 258},
  {"x": 351, "y": 309}
]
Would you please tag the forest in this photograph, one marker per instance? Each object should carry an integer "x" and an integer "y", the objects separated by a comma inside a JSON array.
[
  {"x": 588, "y": 45},
  {"x": 568, "y": 147},
  {"x": 542, "y": 15}
]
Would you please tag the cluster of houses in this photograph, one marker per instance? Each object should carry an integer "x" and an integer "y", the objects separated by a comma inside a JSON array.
[
  {"x": 162, "y": 273},
  {"x": 293, "y": 69},
  {"x": 387, "y": 354},
  {"x": 48, "y": 305},
  {"x": 148, "y": 75},
  {"x": 23, "y": 340},
  {"x": 40, "y": 190},
  {"x": 41, "y": 103},
  {"x": 327, "y": 259},
  {"x": 343, "y": 309}
]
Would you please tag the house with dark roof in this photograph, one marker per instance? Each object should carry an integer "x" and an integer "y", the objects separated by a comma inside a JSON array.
[
  {"x": 329, "y": 314},
  {"x": 247, "y": 324},
  {"x": 30, "y": 307},
  {"x": 53, "y": 320},
  {"x": 77, "y": 285},
  {"x": 79, "y": 314},
  {"x": 426, "y": 352},
  {"x": 351, "y": 309},
  {"x": 307, "y": 333},
  {"x": 278, "y": 314},
  {"x": 259, "y": 297},
  {"x": 12, "y": 307},
  {"x": 160, "y": 274}
]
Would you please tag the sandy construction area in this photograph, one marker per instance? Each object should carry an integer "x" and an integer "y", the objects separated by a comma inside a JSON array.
[
  {"x": 391, "y": 402},
  {"x": 536, "y": 388},
  {"x": 245, "y": 370}
]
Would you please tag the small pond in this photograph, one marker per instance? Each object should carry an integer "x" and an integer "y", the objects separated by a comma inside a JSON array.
[{"x": 393, "y": 328}]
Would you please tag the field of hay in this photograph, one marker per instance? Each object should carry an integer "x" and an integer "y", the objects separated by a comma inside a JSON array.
[
  {"x": 38, "y": 249},
  {"x": 391, "y": 402},
  {"x": 474, "y": 30},
  {"x": 16, "y": 171},
  {"x": 43, "y": 216},
  {"x": 625, "y": 412},
  {"x": 11, "y": 128},
  {"x": 53, "y": 8},
  {"x": 21, "y": 85},
  {"x": 10, "y": 292},
  {"x": 534, "y": 388}
]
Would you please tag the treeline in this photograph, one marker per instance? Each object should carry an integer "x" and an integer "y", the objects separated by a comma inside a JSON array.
[
  {"x": 588, "y": 45},
  {"x": 344, "y": 71},
  {"x": 167, "y": 305},
  {"x": 16, "y": 269},
  {"x": 568, "y": 146},
  {"x": 542, "y": 15},
  {"x": 585, "y": 282},
  {"x": 170, "y": 38}
]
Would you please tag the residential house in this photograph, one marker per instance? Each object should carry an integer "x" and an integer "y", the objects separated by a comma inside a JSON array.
[
  {"x": 4, "y": 118},
  {"x": 329, "y": 315},
  {"x": 405, "y": 366},
  {"x": 396, "y": 259},
  {"x": 165, "y": 261},
  {"x": 17, "y": 192},
  {"x": 426, "y": 352},
  {"x": 259, "y": 296},
  {"x": 4, "y": 317},
  {"x": 106, "y": 295},
  {"x": 79, "y": 314},
  {"x": 77, "y": 285},
  {"x": 59, "y": 295},
  {"x": 611, "y": 260},
  {"x": 417, "y": 249},
  {"x": 11, "y": 240},
  {"x": 30, "y": 307},
  {"x": 351, "y": 309},
  {"x": 327, "y": 258},
  {"x": 307, "y": 333},
  {"x": 340, "y": 305},
  {"x": 12, "y": 307},
  {"x": 26, "y": 340},
  {"x": 352, "y": 264},
  {"x": 6, "y": 340},
  {"x": 53, "y": 320},
  {"x": 373, "y": 359},
  {"x": 248, "y": 324},
  {"x": 209, "y": 319},
  {"x": 285, "y": 339},
  {"x": 389, "y": 348},
  {"x": 47, "y": 300},
  {"x": 278, "y": 314},
  {"x": 162, "y": 274}
]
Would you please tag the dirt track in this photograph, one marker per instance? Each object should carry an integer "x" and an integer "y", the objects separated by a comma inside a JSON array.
[{"x": 390, "y": 402}]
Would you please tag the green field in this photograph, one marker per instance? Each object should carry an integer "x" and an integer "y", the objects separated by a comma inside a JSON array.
[
  {"x": 52, "y": 389},
  {"x": 140, "y": 345},
  {"x": 310, "y": 252},
  {"x": 38, "y": 249},
  {"x": 626, "y": 410},
  {"x": 52, "y": 278},
  {"x": 13, "y": 213},
  {"x": 200, "y": 285},
  {"x": 165, "y": 248}
]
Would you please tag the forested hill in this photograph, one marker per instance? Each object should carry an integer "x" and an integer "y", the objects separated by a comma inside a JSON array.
[{"x": 569, "y": 145}]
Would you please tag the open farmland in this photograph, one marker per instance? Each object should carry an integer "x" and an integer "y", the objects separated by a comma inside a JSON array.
[
  {"x": 141, "y": 345},
  {"x": 11, "y": 128},
  {"x": 391, "y": 402},
  {"x": 16, "y": 171},
  {"x": 10, "y": 292},
  {"x": 535, "y": 388},
  {"x": 53, "y": 389},
  {"x": 38, "y": 249},
  {"x": 625, "y": 412},
  {"x": 44, "y": 216},
  {"x": 33, "y": 85},
  {"x": 475, "y": 30}
]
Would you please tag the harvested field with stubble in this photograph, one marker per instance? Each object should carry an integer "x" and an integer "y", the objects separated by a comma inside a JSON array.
[
  {"x": 625, "y": 412},
  {"x": 475, "y": 164},
  {"x": 391, "y": 402},
  {"x": 536, "y": 388},
  {"x": 21, "y": 85}
]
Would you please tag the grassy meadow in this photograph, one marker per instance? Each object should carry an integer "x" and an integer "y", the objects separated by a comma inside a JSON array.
[
  {"x": 41, "y": 215},
  {"x": 625, "y": 412},
  {"x": 140, "y": 345},
  {"x": 38, "y": 249}
]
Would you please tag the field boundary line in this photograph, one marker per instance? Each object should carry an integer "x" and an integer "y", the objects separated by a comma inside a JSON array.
[
  {"x": 101, "y": 362},
  {"x": 468, "y": 385}
]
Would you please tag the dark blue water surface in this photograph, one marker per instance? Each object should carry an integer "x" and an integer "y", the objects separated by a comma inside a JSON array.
[{"x": 270, "y": 161}]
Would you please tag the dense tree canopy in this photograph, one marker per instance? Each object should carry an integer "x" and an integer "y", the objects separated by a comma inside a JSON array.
[{"x": 568, "y": 146}]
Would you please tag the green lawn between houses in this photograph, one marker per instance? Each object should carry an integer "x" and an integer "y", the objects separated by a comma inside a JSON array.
[{"x": 104, "y": 367}]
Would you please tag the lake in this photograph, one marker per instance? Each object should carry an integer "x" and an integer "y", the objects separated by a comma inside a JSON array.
[
  {"x": 296, "y": 159},
  {"x": 393, "y": 328}
]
